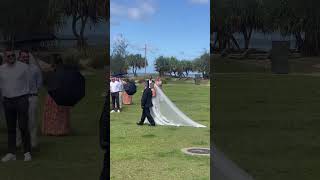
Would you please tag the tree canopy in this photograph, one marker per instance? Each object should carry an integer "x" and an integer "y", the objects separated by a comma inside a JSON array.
[{"x": 300, "y": 19}]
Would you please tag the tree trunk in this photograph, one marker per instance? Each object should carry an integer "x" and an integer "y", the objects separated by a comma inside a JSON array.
[
  {"x": 235, "y": 42},
  {"x": 299, "y": 41},
  {"x": 82, "y": 41},
  {"x": 219, "y": 43},
  {"x": 74, "y": 26},
  {"x": 247, "y": 36},
  {"x": 311, "y": 44},
  {"x": 215, "y": 43},
  {"x": 11, "y": 40},
  {"x": 12, "y": 43}
]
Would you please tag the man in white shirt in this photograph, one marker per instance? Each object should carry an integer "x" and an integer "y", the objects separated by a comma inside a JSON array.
[
  {"x": 14, "y": 84},
  {"x": 114, "y": 91},
  {"x": 35, "y": 85}
]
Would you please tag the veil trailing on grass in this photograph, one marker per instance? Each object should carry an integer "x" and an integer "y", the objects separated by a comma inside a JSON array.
[
  {"x": 225, "y": 169},
  {"x": 165, "y": 112}
]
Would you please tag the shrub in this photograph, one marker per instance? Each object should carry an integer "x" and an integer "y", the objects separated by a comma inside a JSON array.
[{"x": 141, "y": 80}]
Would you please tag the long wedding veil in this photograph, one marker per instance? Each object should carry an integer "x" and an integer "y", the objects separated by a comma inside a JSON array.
[
  {"x": 225, "y": 169},
  {"x": 165, "y": 112}
]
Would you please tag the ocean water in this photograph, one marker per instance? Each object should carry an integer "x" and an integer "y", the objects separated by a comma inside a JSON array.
[
  {"x": 92, "y": 40},
  {"x": 155, "y": 74},
  {"x": 264, "y": 41}
]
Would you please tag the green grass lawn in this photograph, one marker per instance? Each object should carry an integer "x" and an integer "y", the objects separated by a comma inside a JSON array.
[
  {"x": 77, "y": 156},
  {"x": 269, "y": 124},
  {"x": 154, "y": 153}
]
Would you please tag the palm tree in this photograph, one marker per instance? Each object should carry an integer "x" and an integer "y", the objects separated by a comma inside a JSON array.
[
  {"x": 186, "y": 67},
  {"x": 202, "y": 64},
  {"x": 173, "y": 65},
  {"x": 250, "y": 13},
  {"x": 301, "y": 19},
  {"x": 224, "y": 25},
  {"x": 83, "y": 12},
  {"x": 162, "y": 65},
  {"x": 135, "y": 61}
]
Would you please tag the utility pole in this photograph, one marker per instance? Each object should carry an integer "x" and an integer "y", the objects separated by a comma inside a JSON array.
[{"x": 145, "y": 60}]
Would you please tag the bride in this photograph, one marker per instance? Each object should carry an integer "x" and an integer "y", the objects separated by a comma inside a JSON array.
[{"x": 165, "y": 112}]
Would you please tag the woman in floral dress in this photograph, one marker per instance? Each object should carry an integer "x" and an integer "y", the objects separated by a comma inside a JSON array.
[{"x": 56, "y": 119}]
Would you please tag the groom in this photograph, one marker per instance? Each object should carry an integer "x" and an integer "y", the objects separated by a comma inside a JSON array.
[{"x": 146, "y": 104}]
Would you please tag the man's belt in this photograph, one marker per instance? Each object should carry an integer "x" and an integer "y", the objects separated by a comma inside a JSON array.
[{"x": 17, "y": 97}]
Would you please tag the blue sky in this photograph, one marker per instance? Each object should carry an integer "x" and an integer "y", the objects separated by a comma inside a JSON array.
[{"x": 179, "y": 28}]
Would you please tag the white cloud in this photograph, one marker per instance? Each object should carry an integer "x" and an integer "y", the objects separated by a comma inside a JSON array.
[
  {"x": 114, "y": 23},
  {"x": 199, "y": 1},
  {"x": 141, "y": 9},
  {"x": 117, "y": 9},
  {"x": 135, "y": 13},
  {"x": 148, "y": 7}
]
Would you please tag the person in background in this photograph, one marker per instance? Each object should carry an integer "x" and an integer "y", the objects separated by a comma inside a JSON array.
[
  {"x": 35, "y": 84},
  {"x": 56, "y": 119},
  {"x": 121, "y": 89},
  {"x": 114, "y": 91},
  {"x": 14, "y": 82},
  {"x": 159, "y": 82},
  {"x": 127, "y": 99}
]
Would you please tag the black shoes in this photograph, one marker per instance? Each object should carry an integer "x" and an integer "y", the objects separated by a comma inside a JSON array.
[{"x": 139, "y": 123}]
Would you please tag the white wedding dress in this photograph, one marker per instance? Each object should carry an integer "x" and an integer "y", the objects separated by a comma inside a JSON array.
[{"x": 164, "y": 112}]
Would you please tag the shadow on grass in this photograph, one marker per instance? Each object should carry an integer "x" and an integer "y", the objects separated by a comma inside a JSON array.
[{"x": 148, "y": 136}]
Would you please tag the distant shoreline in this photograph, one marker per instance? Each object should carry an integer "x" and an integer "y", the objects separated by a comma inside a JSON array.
[{"x": 264, "y": 41}]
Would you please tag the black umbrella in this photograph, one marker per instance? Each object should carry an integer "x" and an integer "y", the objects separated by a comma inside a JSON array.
[
  {"x": 130, "y": 88},
  {"x": 66, "y": 86}
]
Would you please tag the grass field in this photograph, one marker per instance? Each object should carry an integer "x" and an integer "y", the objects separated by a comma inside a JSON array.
[
  {"x": 269, "y": 124},
  {"x": 154, "y": 153},
  {"x": 77, "y": 156}
]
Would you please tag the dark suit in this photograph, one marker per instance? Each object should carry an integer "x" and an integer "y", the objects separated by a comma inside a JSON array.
[
  {"x": 146, "y": 104},
  {"x": 150, "y": 81}
]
